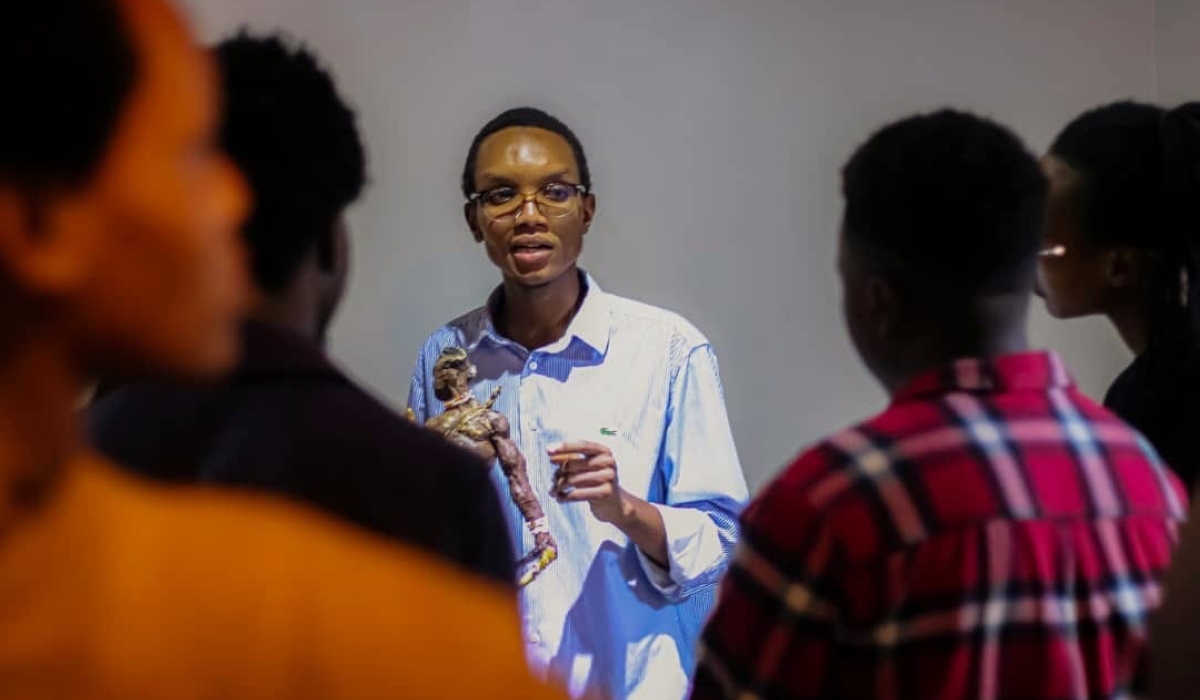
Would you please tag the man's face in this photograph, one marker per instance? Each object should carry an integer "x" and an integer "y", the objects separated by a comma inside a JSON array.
[
  {"x": 165, "y": 282},
  {"x": 1071, "y": 274},
  {"x": 530, "y": 248}
]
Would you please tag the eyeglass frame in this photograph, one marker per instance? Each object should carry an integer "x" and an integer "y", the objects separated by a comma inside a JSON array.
[{"x": 476, "y": 197}]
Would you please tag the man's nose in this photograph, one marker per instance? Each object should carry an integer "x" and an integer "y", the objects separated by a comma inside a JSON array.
[{"x": 529, "y": 212}]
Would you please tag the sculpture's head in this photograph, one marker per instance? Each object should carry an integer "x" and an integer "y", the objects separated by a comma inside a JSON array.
[{"x": 452, "y": 374}]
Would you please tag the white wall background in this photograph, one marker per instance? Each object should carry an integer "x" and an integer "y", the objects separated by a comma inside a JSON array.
[
  {"x": 1178, "y": 50},
  {"x": 715, "y": 130}
]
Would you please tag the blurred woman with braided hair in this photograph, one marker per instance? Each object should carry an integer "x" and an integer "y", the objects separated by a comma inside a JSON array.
[{"x": 1123, "y": 240}]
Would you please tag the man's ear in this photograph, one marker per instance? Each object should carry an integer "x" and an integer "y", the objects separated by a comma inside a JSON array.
[
  {"x": 884, "y": 305},
  {"x": 1119, "y": 266},
  {"x": 45, "y": 240},
  {"x": 326, "y": 251},
  {"x": 589, "y": 210},
  {"x": 471, "y": 214}
]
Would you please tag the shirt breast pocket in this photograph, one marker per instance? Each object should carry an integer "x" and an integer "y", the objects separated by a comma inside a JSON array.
[{"x": 635, "y": 456}]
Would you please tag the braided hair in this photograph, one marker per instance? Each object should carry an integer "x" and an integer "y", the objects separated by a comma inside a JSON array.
[
  {"x": 1139, "y": 168},
  {"x": 1139, "y": 186}
]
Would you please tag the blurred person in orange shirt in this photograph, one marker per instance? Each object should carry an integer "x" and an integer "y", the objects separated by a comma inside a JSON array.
[
  {"x": 287, "y": 419},
  {"x": 120, "y": 257}
]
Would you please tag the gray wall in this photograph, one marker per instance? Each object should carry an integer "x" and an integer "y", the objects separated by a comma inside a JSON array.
[
  {"x": 715, "y": 129},
  {"x": 1178, "y": 50}
]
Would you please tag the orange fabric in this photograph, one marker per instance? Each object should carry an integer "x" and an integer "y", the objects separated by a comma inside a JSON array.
[{"x": 117, "y": 589}]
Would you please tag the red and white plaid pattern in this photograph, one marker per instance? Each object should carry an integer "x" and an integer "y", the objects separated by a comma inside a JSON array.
[{"x": 992, "y": 535}]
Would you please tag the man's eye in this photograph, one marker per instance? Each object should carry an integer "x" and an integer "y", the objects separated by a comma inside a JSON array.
[
  {"x": 556, "y": 192},
  {"x": 500, "y": 195}
]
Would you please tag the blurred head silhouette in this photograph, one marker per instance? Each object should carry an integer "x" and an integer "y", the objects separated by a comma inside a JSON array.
[
  {"x": 940, "y": 232},
  {"x": 119, "y": 246},
  {"x": 296, "y": 139}
]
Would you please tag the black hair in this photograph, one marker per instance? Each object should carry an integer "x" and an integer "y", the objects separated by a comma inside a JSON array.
[
  {"x": 298, "y": 144},
  {"x": 524, "y": 117},
  {"x": 947, "y": 202},
  {"x": 68, "y": 67},
  {"x": 1139, "y": 185}
]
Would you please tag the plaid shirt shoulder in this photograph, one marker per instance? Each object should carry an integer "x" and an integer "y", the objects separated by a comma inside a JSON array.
[{"x": 993, "y": 535}]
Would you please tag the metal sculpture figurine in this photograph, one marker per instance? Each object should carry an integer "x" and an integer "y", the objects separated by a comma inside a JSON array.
[{"x": 486, "y": 431}]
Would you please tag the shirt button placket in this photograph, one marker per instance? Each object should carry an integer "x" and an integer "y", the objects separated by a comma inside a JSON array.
[{"x": 531, "y": 418}]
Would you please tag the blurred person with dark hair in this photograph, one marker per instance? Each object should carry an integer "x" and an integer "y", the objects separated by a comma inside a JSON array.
[
  {"x": 993, "y": 534},
  {"x": 287, "y": 420},
  {"x": 120, "y": 256},
  {"x": 1123, "y": 241}
]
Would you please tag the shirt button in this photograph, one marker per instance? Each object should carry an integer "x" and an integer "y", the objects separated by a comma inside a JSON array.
[
  {"x": 532, "y": 425},
  {"x": 533, "y": 366}
]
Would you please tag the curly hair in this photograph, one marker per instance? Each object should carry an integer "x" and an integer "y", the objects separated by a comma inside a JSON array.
[
  {"x": 950, "y": 200},
  {"x": 297, "y": 142}
]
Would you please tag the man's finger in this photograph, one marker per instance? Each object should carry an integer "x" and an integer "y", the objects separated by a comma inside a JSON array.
[
  {"x": 579, "y": 466},
  {"x": 585, "y": 446},
  {"x": 594, "y": 477},
  {"x": 565, "y": 458},
  {"x": 590, "y": 493}
]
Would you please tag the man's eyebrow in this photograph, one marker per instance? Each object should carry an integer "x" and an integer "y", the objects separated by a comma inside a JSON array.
[{"x": 489, "y": 180}]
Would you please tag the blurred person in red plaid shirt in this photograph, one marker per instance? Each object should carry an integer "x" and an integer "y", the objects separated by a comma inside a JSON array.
[{"x": 993, "y": 534}]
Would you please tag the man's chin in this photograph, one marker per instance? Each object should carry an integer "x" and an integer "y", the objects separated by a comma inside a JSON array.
[
  {"x": 1057, "y": 312},
  {"x": 536, "y": 279}
]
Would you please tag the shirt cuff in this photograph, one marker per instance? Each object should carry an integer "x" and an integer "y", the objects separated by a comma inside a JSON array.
[{"x": 693, "y": 551}]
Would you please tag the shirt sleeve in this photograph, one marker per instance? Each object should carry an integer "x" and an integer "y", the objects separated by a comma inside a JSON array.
[
  {"x": 416, "y": 388},
  {"x": 1173, "y": 626},
  {"x": 705, "y": 488},
  {"x": 773, "y": 632}
]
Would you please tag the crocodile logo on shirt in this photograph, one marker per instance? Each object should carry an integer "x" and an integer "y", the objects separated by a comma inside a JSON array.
[{"x": 608, "y": 432}]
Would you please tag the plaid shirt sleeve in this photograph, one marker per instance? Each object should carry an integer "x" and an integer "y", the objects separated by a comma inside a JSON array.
[{"x": 773, "y": 632}]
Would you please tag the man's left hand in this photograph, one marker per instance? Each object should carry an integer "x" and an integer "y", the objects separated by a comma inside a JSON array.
[{"x": 587, "y": 472}]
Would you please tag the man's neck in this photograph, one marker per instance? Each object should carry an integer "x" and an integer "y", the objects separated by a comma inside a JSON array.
[
  {"x": 993, "y": 328},
  {"x": 291, "y": 314},
  {"x": 39, "y": 422},
  {"x": 539, "y": 316},
  {"x": 1132, "y": 325}
]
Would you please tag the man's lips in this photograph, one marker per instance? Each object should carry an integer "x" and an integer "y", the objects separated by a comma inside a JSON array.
[
  {"x": 529, "y": 245},
  {"x": 531, "y": 256}
]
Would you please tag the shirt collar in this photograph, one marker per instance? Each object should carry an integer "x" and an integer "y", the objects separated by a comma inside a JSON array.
[
  {"x": 592, "y": 324},
  {"x": 1039, "y": 371}
]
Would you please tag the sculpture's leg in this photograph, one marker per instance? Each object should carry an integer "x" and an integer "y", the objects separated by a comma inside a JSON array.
[{"x": 545, "y": 549}]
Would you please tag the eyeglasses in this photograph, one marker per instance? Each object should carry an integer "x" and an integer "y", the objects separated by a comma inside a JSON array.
[
  {"x": 1056, "y": 251},
  {"x": 554, "y": 200}
]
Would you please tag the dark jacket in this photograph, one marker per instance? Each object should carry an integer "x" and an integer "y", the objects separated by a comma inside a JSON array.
[
  {"x": 1165, "y": 409},
  {"x": 289, "y": 422}
]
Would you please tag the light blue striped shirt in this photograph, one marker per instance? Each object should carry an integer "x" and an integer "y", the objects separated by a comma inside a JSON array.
[{"x": 644, "y": 382}]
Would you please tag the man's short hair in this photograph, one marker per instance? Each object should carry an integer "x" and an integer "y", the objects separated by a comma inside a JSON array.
[
  {"x": 67, "y": 67},
  {"x": 524, "y": 117},
  {"x": 947, "y": 201},
  {"x": 298, "y": 144}
]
